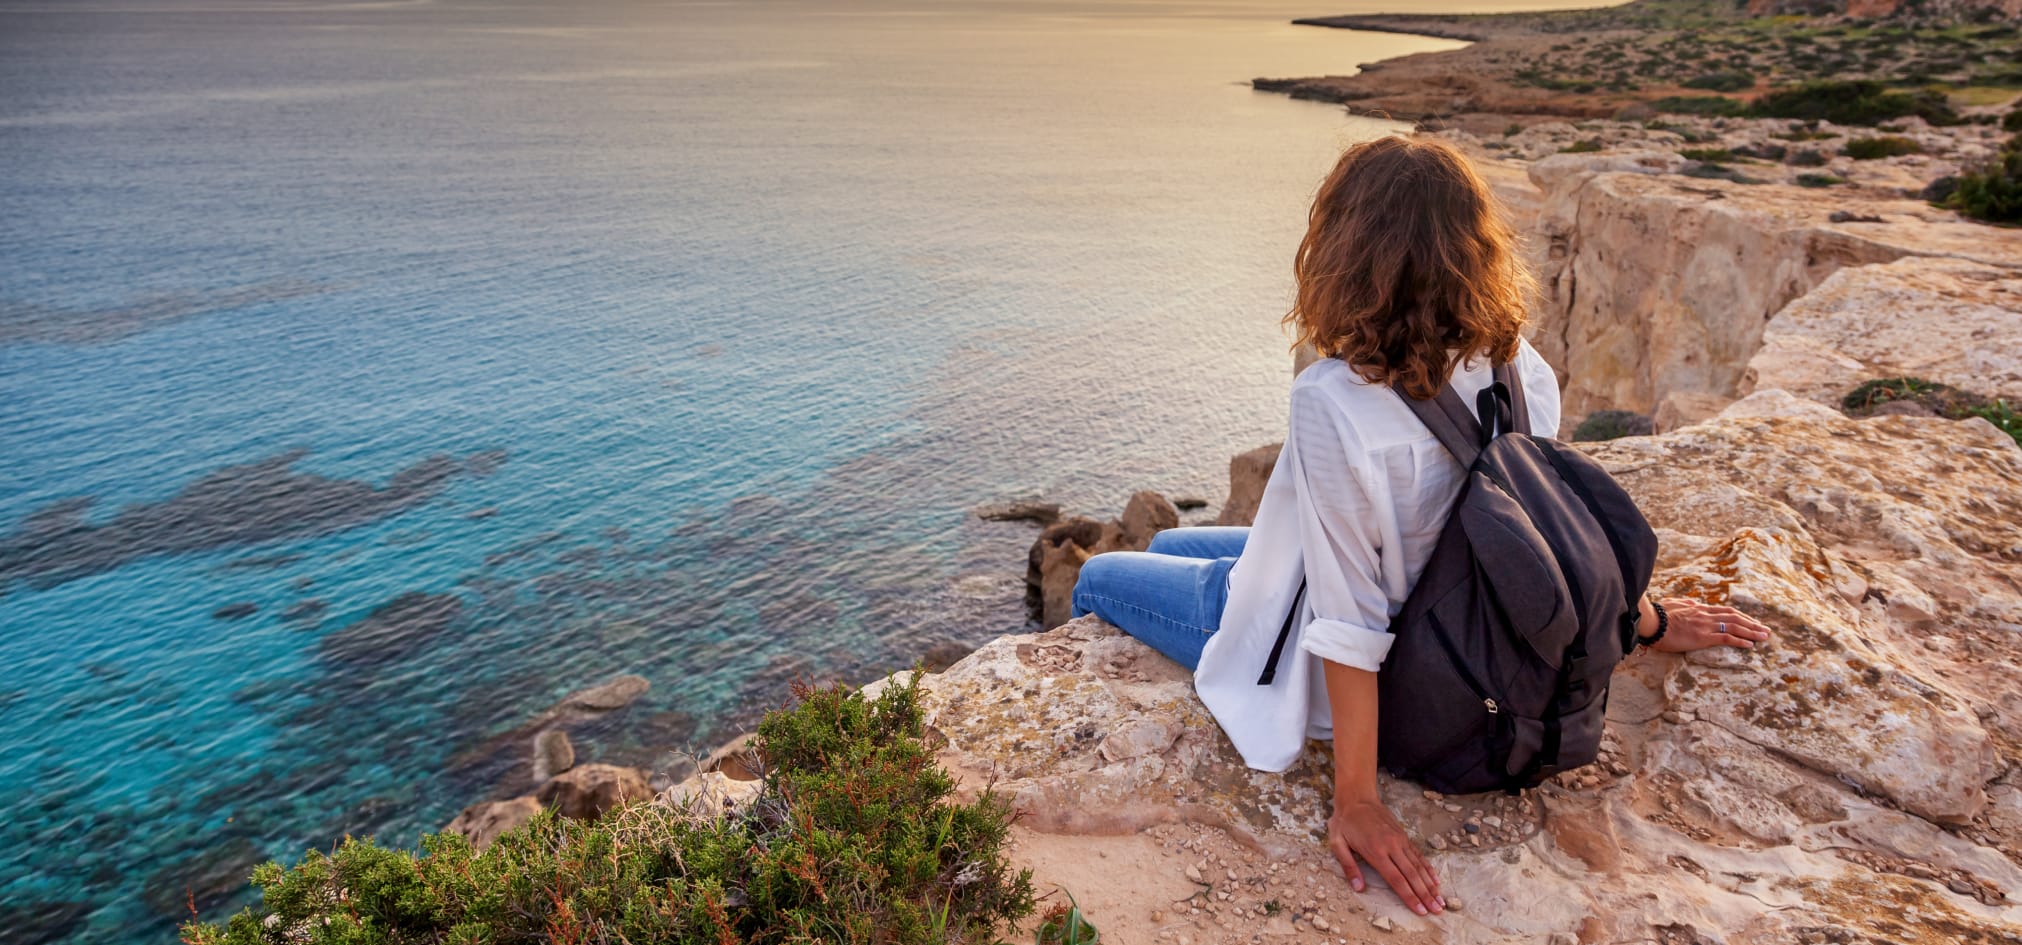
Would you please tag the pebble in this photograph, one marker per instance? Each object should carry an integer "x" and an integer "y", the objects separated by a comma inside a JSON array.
[
  {"x": 1320, "y": 924},
  {"x": 1451, "y": 808},
  {"x": 1564, "y": 938},
  {"x": 1438, "y": 842},
  {"x": 1453, "y": 903},
  {"x": 1492, "y": 820},
  {"x": 1674, "y": 716},
  {"x": 1194, "y": 875},
  {"x": 1471, "y": 827},
  {"x": 1383, "y": 922}
]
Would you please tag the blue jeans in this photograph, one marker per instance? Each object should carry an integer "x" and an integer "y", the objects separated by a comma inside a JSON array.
[{"x": 1169, "y": 595}]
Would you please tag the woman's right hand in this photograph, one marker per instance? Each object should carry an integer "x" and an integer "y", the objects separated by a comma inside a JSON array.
[{"x": 1368, "y": 830}]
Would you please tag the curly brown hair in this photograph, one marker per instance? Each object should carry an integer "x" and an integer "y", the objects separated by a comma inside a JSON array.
[{"x": 1408, "y": 266}]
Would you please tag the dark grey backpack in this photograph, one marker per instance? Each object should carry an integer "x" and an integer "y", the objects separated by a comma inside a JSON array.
[{"x": 1498, "y": 674}]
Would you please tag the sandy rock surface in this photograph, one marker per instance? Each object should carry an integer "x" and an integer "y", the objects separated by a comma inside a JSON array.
[
  {"x": 1851, "y": 781},
  {"x": 1953, "y": 321}
]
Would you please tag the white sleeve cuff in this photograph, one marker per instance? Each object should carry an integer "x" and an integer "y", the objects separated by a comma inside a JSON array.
[{"x": 1346, "y": 643}]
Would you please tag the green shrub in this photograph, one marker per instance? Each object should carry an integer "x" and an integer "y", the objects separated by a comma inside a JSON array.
[
  {"x": 2012, "y": 121},
  {"x": 1716, "y": 105},
  {"x": 853, "y": 838},
  {"x": 1733, "y": 81},
  {"x": 1854, "y": 102},
  {"x": 2002, "y": 416},
  {"x": 1513, "y": 130},
  {"x": 1807, "y": 157},
  {"x": 1612, "y": 425},
  {"x": 1818, "y": 180},
  {"x": 1991, "y": 192},
  {"x": 1587, "y": 146},
  {"x": 1711, "y": 155},
  {"x": 1881, "y": 146}
]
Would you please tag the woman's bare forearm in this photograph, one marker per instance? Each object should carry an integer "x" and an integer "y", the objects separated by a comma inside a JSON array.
[{"x": 1351, "y": 695}]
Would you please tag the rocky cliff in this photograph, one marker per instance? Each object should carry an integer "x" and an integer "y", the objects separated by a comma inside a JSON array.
[
  {"x": 1852, "y": 781},
  {"x": 1855, "y": 780}
]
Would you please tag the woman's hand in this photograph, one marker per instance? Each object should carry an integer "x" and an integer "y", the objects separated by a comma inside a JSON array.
[
  {"x": 1694, "y": 625},
  {"x": 1366, "y": 829}
]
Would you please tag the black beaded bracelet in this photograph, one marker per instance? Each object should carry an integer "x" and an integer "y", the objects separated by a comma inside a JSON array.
[{"x": 1663, "y": 624}]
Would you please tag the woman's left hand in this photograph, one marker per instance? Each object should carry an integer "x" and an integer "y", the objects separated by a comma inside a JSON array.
[{"x": 1695, "y": 625}]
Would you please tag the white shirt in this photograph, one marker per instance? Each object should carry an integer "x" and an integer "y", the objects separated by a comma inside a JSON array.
[{"x": 1354, "y": 507}]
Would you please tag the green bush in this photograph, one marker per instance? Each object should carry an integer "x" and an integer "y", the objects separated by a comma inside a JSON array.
[
  {"x": 1711, "y": 155},
  {"x": 1720, "y": 81},
  {"x": 853, "y": 838},
  {"x": 1714, "y": 105},
  {"x": 1881, "y": 146},
  {"x": 1587, "y": 146},
  {"x": 2003, "y": 417},
  {"x": 1818, "y": 180},
  {"x": 1853, "y": 102},
  {"x": 2012, "y": 121},
  {"x": 1612, "y": 425},
  {"x": 1992, "y": 192}
]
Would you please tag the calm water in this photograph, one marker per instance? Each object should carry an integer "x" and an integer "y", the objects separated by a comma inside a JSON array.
[{"x": 374, "y": 374}]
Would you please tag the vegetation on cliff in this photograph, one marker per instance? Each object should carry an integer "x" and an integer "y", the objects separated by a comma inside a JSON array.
[
  {"x": 1992, "y": 192},
  {"x": 853, "y": 838}
]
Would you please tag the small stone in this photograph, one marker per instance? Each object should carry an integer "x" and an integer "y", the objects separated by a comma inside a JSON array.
[
  {"x": 1674, "y": 717},
  {"x": 1453, "y": 903},
  {"x": 1451, "y": 808},
  {"x": 1383, "y": 922},
  {"x": 1492, "y": 820},
  {"x": 1564, "y": 938},
  {"x": 1471, "y": 827},
  {"x": 1194, "y": 875},
  {"x": 1959, "y": 886},
  {"x": 1157, "y": 915},
  {"x": 1320, "y": 924},
  {"x": 1431, "y": 795},
  {"x": 1438, "y": 842}
]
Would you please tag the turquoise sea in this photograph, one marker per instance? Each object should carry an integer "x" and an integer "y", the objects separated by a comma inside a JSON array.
[{"x": 373, "y": 374}]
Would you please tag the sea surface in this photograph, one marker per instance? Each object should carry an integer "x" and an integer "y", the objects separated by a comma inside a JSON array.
[{"x": 375, "y": 374}]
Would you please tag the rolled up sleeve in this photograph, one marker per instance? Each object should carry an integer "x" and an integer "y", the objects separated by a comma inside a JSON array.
[{"x": 1340, "y": 537}]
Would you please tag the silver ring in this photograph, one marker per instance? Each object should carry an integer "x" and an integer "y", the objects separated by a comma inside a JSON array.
[{"x": 1723, "y": 628}]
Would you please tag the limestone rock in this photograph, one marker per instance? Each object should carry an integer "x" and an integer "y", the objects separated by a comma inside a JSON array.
[
  {"x": 1146, "y": 514},
  {"x": 1656, "y": 283},
  {"x": 587, "y": 791},
  {"x": 1682, "y": 408},
  {"x": 1777, "y": 402},
  {"x": 553, "y": 754},
  {"x": 481, "y": 823},
  {"x": 1248, "y": 473},
  {"x": 710, "y": 794},
  {"x": 1833, "y": 778},
  {"x": 1946, "y": 320},
  {"x": 610, "y": 696}
]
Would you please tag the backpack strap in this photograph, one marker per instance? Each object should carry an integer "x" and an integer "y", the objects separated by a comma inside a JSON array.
[
  {"x": 1449, "y": 420},
  {"x": 1507, "y": 375},
  {"x": 1465, "y": 433}
]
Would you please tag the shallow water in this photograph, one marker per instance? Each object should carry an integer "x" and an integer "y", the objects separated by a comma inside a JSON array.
[{"x": 574, "y": 340}]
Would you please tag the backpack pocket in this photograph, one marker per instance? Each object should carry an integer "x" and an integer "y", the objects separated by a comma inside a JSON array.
[
  {"x": 1540, "y": 748},
  {"x": 1520, "y": 573}
]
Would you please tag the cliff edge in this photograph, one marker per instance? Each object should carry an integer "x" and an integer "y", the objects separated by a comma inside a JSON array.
[{"x": 1854, "y": 780}]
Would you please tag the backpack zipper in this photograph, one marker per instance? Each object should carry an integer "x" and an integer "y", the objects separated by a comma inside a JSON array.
[{"x": 1460, "y": 667}]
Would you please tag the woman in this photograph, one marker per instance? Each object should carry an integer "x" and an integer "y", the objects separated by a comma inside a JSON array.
[{"x": 1407, "y": 276}]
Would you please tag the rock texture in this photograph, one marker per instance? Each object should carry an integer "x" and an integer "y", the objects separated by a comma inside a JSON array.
[
  {"x": 1853, "y": 780},
  {"x": 1655, "y": 283},
  {"x": 1248, "y": 473},
  {"x": 1054, "y": 563},
  {"x": 1952, "y": 321},
  {"x": 587, "y": 791},
  {"x": 481, "y": 823}
]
